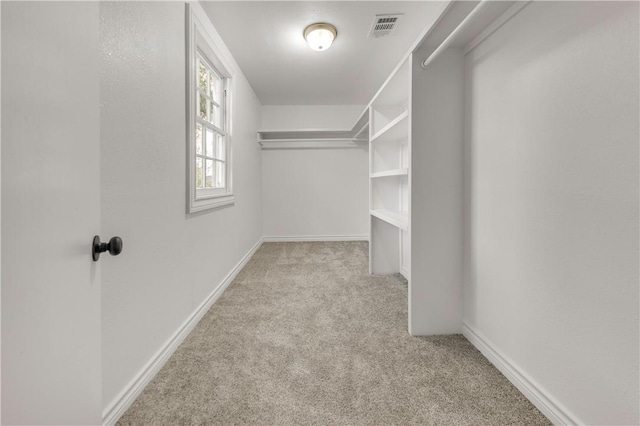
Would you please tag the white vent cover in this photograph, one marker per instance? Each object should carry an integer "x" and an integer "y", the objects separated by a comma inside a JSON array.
[{"x": 384, "y": 25}]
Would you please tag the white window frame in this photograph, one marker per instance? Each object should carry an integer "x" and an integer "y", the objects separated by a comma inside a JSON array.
[{"x": 200, "y": 43}]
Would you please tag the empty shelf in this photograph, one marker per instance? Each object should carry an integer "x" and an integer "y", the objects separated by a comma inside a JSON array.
[
  {"x": 396, "y": 129},
  {"x": 395, "y": 218},
  {"x": 394, "y": 172}
]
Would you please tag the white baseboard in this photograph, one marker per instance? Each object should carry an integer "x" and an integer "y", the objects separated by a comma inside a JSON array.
[
  {"x": 548, "y": 405},
  {"x": 316, "y": 238},
  {"x": 404, "y": 272},
  {"x": 134, "y": 388}
]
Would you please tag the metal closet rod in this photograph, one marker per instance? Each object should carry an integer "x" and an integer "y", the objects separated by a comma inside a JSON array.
[{"x": 461, "y": 26}]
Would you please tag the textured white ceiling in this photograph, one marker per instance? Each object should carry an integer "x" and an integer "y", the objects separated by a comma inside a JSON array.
[{"x": 265, "y": 38}]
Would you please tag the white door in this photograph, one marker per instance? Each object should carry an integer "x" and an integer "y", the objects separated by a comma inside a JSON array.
[{"x": 50, "y": 213}]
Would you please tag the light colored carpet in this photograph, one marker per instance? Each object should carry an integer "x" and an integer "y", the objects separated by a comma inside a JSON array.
[{"x": 305, "y": 336}]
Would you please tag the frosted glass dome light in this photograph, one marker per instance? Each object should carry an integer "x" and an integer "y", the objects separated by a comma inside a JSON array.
[{"x": 320, "y": 36}]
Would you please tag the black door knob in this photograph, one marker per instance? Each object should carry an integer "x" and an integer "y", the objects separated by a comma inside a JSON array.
[{"x": 114, "y": 247}]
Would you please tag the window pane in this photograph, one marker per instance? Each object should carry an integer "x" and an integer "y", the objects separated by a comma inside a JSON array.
[
  {"x": 209, "y": 174},
  {"x": 202, "y": 107},
  {"x": 203, "y": 81},
  {"x": 212, "y": 86},
  {"x": 209, "y": 144},
  {"x": 199, "y": 139},
  {"x": 220, "y": 174},
  {"x": 199, "y": 181},
  {"x": 216, "y": 84},
  {"x": 215, "y": 116},
  {"x": 220, "y": 147}
]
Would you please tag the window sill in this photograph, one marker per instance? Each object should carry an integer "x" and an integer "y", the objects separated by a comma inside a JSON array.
[{"x": 202, "y": 204}]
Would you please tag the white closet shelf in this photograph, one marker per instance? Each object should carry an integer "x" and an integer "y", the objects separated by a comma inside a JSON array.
[
  {"x": 309, "y": 138},
  {"x": 396, "y": 129},
  {"x": 298, "y": 134},
  {"x": 386, "y": 173},
  {"x": 395, "y": 218},
  {"x": 317, "y": 138},
  {"x": 311, "y": 143}
]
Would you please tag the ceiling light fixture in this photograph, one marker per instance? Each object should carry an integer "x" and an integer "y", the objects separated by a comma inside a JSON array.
[{"x": 320, "y": 35}]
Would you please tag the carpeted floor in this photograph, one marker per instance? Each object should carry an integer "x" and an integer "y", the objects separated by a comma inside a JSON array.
[{"x": 305, "y": 336}]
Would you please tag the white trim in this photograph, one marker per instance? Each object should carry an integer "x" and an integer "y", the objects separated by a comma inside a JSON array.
[
  {"x": 540, "y": 397},
  {"x": 1, "y": 214},
  {"x": 201, "y": 46},
  {"x": 207, "y": 203},
  {"x": 315, "y": 238},
  {"x": 134, "y": 388},
  {"x": 404, "y": 272}
]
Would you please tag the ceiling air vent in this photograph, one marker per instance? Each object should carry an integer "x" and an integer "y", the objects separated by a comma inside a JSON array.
[{"x": 384, "y": 25}]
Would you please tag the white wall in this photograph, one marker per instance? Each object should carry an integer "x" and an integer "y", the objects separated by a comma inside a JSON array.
[
  {"x": 552, "y": 202},
  {"x": 318, "y": 117},
  {"x": 314, "y": 192},
  {"x": 171, "y": 261}
]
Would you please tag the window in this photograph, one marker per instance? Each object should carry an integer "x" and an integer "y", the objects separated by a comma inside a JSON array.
[
  {"x": 209, "y": 122},
  {"x": 211, "y": 135}
]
